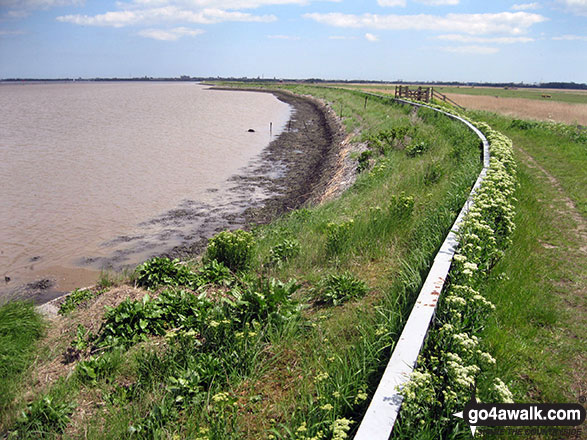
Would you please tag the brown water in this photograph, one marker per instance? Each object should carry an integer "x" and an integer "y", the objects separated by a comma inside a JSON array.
[{"x": 85, "y": 167}]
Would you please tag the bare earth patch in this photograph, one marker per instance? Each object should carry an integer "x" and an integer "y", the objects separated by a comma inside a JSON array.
[
  {"x": 63, "y": 330},
  {"x": 525, "y": 108}
]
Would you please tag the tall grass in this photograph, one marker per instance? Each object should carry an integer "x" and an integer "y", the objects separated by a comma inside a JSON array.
[
  {"x": 20, "y": 328},
  {"x": 539, "y": 286}
]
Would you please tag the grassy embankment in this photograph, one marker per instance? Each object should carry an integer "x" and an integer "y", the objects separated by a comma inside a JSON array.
[
  {"x": 248, "y": 356},
  {"x": 539, "y": 286},
  {"x": 538, "y": 289},
  {"x": 20, "y": 328}
]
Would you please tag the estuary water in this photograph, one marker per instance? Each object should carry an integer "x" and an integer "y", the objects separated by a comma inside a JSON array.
[{"x": 86, "y": 168}]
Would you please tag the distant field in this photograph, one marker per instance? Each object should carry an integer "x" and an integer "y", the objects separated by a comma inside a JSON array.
[
  {"x": 570, "y": 96},
  {"x": 568, "y": 106},
  {"x": 525, "y": 108}
]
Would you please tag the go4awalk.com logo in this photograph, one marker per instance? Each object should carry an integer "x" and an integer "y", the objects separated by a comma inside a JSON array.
[{"x": 522, "y": 414}]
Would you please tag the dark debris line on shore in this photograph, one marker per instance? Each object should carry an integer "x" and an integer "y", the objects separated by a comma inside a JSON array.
[{"x": 308, "y": 150}]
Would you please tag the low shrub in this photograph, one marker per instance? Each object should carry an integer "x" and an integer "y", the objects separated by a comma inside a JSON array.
[
  {"x": 131, "y": 321},
  {"x": 232, "y": 248},
  {"x": 337, "y": 235},
  {"x": 98, "y": 367},
  {"x": 401, "y": 206},
  {"x": 416, "y": 148},
  {"x": 214, "y": 272},
  {"x": 283, "y": 251},
  {"x": 432, "y": 174},
  {"x": 523, "y": 125},
  {"x": 301, "y": 214},
  {"x": 268, "y": 299},
  {"x": 75, "y": 298},
  {"x": 164, "y": 271},
  {"x": 363, "y": 161},
  {"x": 337, "y": 288}
]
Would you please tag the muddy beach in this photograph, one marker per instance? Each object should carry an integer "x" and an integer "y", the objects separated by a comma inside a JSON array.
[{"x": 297, "y": 168}]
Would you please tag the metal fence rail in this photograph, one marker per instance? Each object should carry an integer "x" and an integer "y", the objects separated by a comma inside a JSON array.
[{"x": 384, "y": 408}]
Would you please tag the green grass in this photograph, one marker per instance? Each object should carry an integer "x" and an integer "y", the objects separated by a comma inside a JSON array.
[
  {"x": 539, "y": 286},
  {"x": 20, "y": 328},
  {"x": 560, "y": 149}
]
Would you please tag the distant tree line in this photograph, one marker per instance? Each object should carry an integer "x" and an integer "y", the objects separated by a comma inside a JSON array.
[{"x": 548, "y": 85}]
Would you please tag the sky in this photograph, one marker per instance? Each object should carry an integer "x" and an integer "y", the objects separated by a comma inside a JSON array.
[{"x": 388, "y": 40}]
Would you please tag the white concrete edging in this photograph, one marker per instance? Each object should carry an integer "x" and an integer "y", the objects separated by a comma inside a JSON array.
[{"x": 384, "y": 408}]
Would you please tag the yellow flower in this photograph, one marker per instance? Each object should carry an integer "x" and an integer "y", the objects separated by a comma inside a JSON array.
[
  {"x": 220, "y": 397},
  {"x": 322, "y": 376}
]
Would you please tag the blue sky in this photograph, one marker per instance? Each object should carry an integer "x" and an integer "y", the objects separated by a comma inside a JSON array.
[{"x": 444, "y": 40}]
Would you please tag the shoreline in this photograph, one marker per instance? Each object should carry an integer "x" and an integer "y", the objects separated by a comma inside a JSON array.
[
  {"x": 300, "y": 166},
  {"x": 304, "y": 160}
]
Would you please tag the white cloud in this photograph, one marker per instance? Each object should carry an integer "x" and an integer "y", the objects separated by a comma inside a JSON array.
[
  {"x": 391, "y": 3},
  {"x": 570, "y": 38},
  {"x": 508, "y": 23},
  {"x": 525, "y": 6},
  {"x": 578, "y": 7},
  {"x": 372, "y": 38},
  {"x": 483, "y": 40},
  {"x": 471, "y": 50},
  {"x": 164, "y": 14},
  {"x": 171, "y": 34},
  {"x": 284, "y": 37}
]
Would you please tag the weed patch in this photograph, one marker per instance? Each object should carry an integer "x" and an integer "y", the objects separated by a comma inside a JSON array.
[
  {"x": 337, "y": 288},
  {"x": 233, "y": 249}
]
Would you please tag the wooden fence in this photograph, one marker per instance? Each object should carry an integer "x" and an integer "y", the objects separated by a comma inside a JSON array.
[{"x": 423, "y": 94}]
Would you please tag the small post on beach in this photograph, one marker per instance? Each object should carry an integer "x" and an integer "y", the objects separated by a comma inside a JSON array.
[
  {"x": 271, "y": 128},
  {"x": 365, "y": 108},
  {"x": 341, "y": 109}
]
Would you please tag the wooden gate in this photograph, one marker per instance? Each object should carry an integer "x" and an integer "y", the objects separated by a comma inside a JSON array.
[{"x": 423, "y": 94}]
